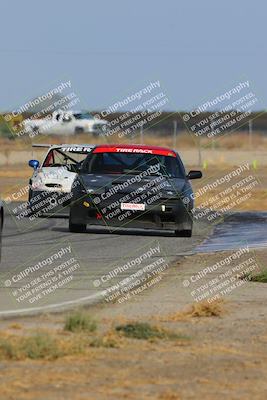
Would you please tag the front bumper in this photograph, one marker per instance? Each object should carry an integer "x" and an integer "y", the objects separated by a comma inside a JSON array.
[
  {"x": 165, "y": 214},
  {"x": 45, "y": 203}
]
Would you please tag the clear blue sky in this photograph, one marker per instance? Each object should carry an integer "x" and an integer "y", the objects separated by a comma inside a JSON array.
[{"x": 111, "y": 48}]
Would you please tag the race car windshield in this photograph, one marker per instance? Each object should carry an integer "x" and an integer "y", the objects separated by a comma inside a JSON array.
[
  {"x": 129, "y": 163},
  {"x": 60, "y": 157},
  {"x": 83, "y": 116}
]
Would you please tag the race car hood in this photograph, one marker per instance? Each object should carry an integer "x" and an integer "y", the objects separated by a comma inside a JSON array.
[
  {"x": 98, "y": 183},
  {"x": 53, "y": 179}
]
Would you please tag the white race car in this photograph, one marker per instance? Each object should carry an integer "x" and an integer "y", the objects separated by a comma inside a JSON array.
[{"x": 51, "y": 182}]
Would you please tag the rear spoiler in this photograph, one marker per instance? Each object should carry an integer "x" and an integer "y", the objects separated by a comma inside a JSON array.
[{"x": 41, "y": 145}]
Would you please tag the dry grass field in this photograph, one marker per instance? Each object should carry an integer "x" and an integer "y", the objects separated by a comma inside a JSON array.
[
  {"x": 184, "y": 140},
  {"x": 156, "y": 346}
]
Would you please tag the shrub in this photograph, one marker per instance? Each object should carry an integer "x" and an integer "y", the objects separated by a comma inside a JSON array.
[
  {"x": 80, "y": 321},
  {"x": 143, "y": 330}
]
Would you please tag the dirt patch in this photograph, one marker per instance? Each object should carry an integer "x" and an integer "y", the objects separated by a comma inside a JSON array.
[
  {"x": 198, "y": 310},
  {"x": 225, "y": 356}
]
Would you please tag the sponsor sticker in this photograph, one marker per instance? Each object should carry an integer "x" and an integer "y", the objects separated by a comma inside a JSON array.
[
  {"x": 133, "y": 206},
  {"x": 80, "y": 149},
  {"x": 138, "y": 150}
]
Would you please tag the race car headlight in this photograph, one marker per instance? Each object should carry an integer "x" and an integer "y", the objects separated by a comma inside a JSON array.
[
  {"x": 169, "y": 193},
  {"x": 86, "y": 191}
]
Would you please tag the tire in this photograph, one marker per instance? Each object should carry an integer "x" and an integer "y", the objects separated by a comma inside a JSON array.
[
  {"x": 79, "y": 129},
  {"x": 30, "y": 195},
  {"x": 29, "y": 201},
  {"x": 35, "y": 131},
  {"x": 78, "y": 228},
  {"x": 184, "y": 233},
  {"x": 2, "y": 219}
]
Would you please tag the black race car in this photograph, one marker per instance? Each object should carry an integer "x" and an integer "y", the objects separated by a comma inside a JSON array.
[{"x": 133, "y": 186}]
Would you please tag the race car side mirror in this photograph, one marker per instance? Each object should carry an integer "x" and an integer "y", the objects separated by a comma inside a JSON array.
[
  {"x": 194, "y": 175},
  {"x": 34, "y": 164}
]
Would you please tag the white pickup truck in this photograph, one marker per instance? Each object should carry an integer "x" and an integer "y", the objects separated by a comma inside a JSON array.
[{"x": 66, "y": 123}]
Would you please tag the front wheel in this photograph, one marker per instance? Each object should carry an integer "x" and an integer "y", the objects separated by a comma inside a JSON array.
[
  {"x": 30, "y": 200},
  {"x": 30, "y": 194},
  {"x": 78, "y": 130},
  {"x": 79, "y": 228},
  {"x": 183, "y": 233}
]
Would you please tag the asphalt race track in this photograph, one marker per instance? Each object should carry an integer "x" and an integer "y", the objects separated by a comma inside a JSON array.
[{"x": 89, "y": 261}]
